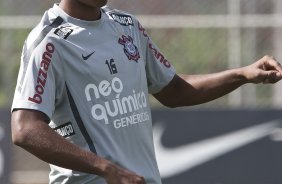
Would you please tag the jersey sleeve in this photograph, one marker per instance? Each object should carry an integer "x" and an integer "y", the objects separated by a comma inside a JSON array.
[
  {"x": 159, "y": 71},
  {"x": 40, "y": 78}
]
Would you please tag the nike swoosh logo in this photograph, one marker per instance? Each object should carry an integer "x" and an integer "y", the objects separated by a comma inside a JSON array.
[
  {"x": 88, "y": 56},
  {"x": 172, "y": 161}
]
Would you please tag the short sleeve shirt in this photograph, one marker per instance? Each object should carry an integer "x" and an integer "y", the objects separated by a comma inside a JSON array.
[{"x": 92, "y": 79}]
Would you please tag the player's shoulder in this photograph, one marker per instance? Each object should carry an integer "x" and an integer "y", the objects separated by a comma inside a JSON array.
[
  {"x": 50, "y": 29},
  {"x": 121, "y": 17},
  {"x": 46, "y": 36}
]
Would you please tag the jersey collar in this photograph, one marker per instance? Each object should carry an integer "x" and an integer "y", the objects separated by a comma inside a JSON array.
[{"x": 82, "y": 23}]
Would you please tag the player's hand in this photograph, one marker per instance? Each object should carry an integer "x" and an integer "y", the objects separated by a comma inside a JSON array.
[
  {"x": 118, "y": 175},
  {"x": 265, "y": 70}
]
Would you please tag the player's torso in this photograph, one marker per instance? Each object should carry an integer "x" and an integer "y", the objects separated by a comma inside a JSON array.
[
  {"x": 90, "y": 79},
  {"x": 104, "y": 64},
  {"x": 104, "y": 72}
]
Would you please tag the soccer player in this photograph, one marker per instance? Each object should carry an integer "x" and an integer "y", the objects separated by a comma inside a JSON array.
[{"x": 81, "y": 100}]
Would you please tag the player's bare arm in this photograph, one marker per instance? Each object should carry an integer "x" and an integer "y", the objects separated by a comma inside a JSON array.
[
  {"x": 185, "y": 90},
  {"x": 30, "y": 131}
]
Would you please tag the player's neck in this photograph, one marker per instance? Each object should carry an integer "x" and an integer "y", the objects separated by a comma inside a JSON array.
[{"x": 81, "y": 11}]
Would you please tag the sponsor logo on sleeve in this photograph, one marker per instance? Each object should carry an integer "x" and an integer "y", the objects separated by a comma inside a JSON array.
[
  {"x": 157, "y": 54},
  {"x": 65, "y": 130},
  {"x": 43, "y": 73},
  {"x": 124, "y": 20},
  {"x": 63, "y": 32}
]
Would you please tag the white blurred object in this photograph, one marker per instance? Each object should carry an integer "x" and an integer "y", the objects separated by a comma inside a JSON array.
[
  {"x": 173, "y": 161},
  {"x": 276, "y": 135}
]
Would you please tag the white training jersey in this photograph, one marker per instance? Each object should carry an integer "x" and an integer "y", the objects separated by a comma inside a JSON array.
[{"x": 92, "y": 79}]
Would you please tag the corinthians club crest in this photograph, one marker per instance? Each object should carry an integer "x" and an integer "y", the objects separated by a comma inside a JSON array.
[{"x": 130, "y": 50}]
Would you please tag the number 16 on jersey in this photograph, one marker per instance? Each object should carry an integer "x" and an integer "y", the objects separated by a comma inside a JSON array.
[{"x": 112, "y": 67}]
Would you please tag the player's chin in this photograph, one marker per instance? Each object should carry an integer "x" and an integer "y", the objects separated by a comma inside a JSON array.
[
  {"x": 102, "y": 3},
  {"x": 96, "y": 3}
]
